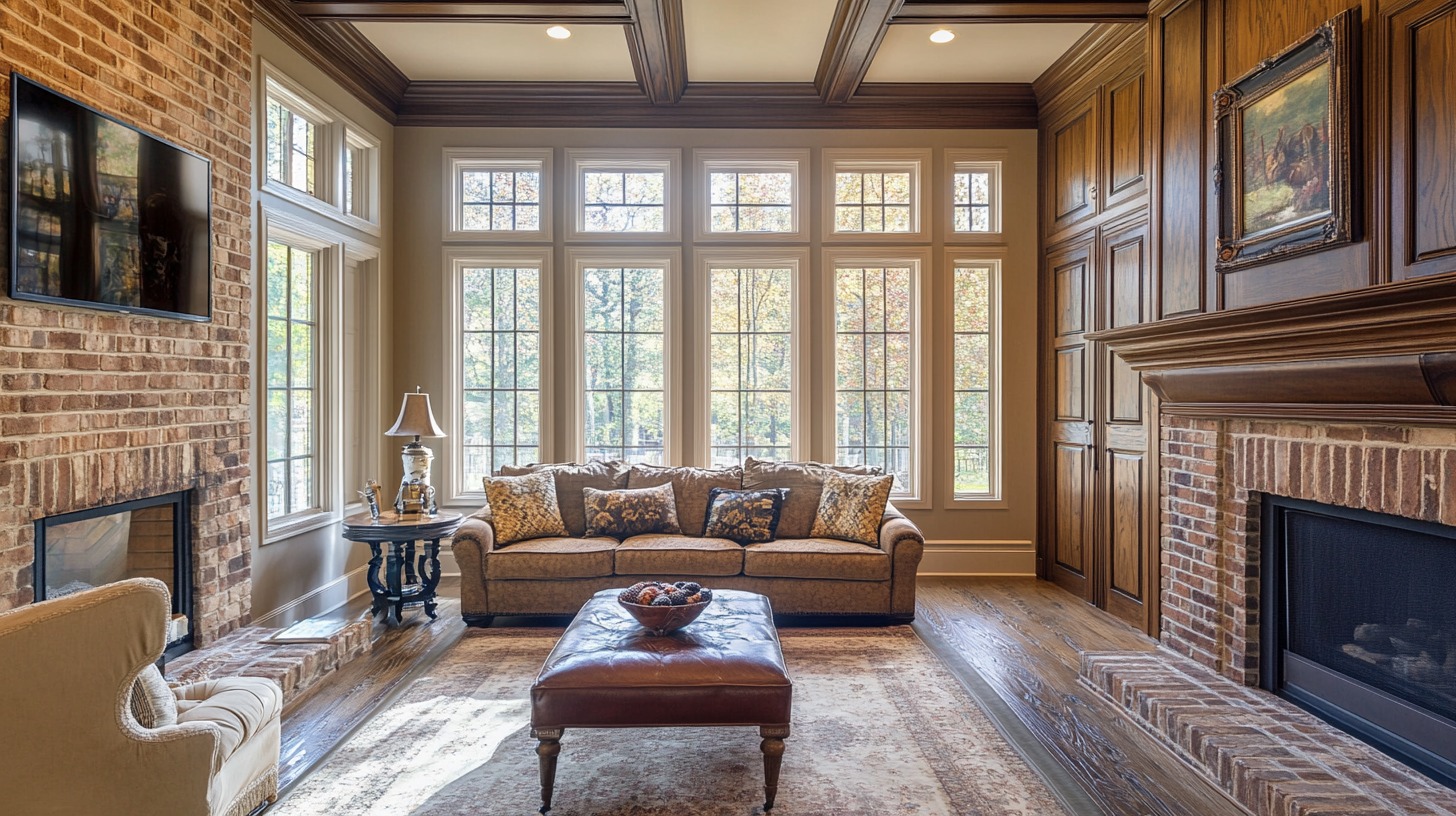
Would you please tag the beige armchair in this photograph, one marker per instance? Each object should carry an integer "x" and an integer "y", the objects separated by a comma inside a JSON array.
[{"x": 70, "y": 743}]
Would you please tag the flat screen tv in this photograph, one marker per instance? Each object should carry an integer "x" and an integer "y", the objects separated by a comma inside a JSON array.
[{"x": 104, "y": 215}]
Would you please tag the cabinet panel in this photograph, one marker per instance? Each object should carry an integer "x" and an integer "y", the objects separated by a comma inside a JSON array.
[
  {"x": 1126, "y": 141},
  {"x": 1073, "y": 156},
  {"x": 1423, "y": 140},
  {"x": 1126, "y": 524},
  {"x": 1125, "y": 255},
  {"x": 1178, "y": 73},
  {"x": 1071, "y": 384},
  {"x": 1069, "y": 550},
  {"x": 1071, "y": 296}
]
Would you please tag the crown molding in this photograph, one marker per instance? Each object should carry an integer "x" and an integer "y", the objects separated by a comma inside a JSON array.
[
  {"x": 1095, "y": 47},
  {"x": 341, "y": 52},
  {"x": 498, "y": 11},
  {"x": 1025, "y": 11},
  {"x": 717, "y": 105}
]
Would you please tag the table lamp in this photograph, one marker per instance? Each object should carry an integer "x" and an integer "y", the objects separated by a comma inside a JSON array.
[{"x": 416, "y": 496}]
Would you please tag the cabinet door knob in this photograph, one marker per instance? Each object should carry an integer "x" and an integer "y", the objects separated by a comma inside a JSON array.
[{"x": 1092, "y": 191}]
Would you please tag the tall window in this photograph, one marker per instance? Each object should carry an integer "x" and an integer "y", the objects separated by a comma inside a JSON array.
[
  {"x": 624, "y": 362},
  {"x": 293, "y": 143},
  {"x": 975, "y": 197},
  {"x": 751, "y": 363},
  {"x": 502, "y": 193},
  {"x": 874, "y": 365},
  {"x": 501, "y": 368},
  {"x": 291, "y": 362},
  {"x": 974, "y": 379}
]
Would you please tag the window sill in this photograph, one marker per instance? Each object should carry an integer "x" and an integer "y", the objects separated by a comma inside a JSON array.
[{"x": 293, "y": 526}]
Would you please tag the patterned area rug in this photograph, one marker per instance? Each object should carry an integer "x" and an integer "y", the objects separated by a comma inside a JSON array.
[{"x": 880, "y": 726}]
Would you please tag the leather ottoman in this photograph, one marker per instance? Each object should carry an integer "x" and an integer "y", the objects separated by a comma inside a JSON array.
[{"x": 607, "y": 671}]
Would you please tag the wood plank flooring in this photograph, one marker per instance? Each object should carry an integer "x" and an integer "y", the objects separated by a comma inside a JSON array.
[{"x": 1023, "y": 635}]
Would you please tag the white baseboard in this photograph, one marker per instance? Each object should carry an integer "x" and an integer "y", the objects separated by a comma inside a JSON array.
[
  {"x": 325, "y": 598},
  {"x": 978, "y": 558}
]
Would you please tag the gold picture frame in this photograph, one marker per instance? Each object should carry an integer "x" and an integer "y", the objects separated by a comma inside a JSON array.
[{"x": 1284, "y": 172}]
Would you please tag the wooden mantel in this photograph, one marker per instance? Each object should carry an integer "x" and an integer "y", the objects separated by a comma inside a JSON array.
[{"x": 1383, "y": 354}]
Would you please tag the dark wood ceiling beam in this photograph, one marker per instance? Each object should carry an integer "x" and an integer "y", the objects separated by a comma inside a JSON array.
[
  {"x": 854, "y": 37},
  {"x": 717, "y": 105},
  {"x": 1029, "y": 11},
  {"x": 495, "y": 11},
  {"x": 341, "y": 52},
  {"x": 659, "y": 49}
]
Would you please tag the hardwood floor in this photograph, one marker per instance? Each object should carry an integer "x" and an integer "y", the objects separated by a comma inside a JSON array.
[{"x": 1024, "y": 636}]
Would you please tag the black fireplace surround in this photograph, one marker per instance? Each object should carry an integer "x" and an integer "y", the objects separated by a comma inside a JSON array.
[
  {"x": 146, "y": 537},
  {"x": 1359, "y": 625}
]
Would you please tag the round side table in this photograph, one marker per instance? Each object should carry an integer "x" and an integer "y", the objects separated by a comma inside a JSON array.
[{"x": 410, "y": 578}]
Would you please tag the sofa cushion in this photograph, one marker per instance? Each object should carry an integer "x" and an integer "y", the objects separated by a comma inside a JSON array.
[
  {"x": 624, "y": 513},
  {"x": 523, "y": 507},
  {"x": 678, "y": 555},
  {"x": 570, "y": 479},
  {"x": 805, "y": 481},
  {"x": 690, "y": 487},
  {"x": 547, "y": 558},
  {"x": 744, "y": 516},
  {"x": 850, "y": 507},
  {"x": 240, "y": 707},
  {"x": 816, "y": 558},
  {"x": 152, "y": 702}
]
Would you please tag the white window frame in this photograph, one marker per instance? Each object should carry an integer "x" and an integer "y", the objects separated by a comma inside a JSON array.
[
  {"x": 366, "y": 179},
  {"x": 797, "y": 260},
  {"x": 974, "y": 161},
  {"x": 996, "y": 260},
  {"x": 747, "y": 160},
  {"x": 666, "y": 161},
  {"x": 577, "y": 261},
  {"x": 452, "y": 477},
  {"x": 459, "y": 160},
  {"x": 919, "y": 261},
  {"x": 849, "y": 160},
  {"x": 328, "y": 374}
]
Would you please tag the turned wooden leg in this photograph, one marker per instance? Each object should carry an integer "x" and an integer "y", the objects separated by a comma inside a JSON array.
[
  {"x": 547, "y": 750},
  {"x": 773, "y": 757}
]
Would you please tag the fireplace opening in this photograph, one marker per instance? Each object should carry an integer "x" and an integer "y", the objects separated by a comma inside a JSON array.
[
  {"x": 145, "y": 538},
  {"x": 1360, "y": 626}
]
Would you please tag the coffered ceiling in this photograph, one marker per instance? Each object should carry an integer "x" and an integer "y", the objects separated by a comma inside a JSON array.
[{"x": 692, "y": 63}]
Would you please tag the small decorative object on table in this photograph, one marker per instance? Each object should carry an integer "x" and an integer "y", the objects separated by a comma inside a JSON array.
[
  {"x": 370, "y": 494},
  {"x": 664, "y": 607}
]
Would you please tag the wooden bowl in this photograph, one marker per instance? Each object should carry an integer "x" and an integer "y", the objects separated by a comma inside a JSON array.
[{"x": 663, "y": 619}]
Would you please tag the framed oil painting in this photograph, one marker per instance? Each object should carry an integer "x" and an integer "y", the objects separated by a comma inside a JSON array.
[{"x": 1283, "y": 175}]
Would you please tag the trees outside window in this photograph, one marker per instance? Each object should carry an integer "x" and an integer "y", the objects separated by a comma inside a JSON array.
[
  {"x": 875, "y": 370},
  {"x": 624, "y": 362},
  {"x": 751, "y": 363},
  {"x": 500, "y": 374},
  {"x": 290, "y": 375},
  {"x": 975, "y": 402}
]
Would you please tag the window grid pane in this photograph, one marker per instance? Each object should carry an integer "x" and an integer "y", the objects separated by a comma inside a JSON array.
[
  {"x": 873, "y": 201},
  {"x": 624, "y": 201},
  {"x": 292, "y": 148},
  {"x": 502, "y": 362},
  {"x": 750, "y": 201},
  {"x": 751, "y": 357},
  {"x": 290, "y": 410},
  {"x": 971, "y": 207},
  {"x": 500, "y": 199},
  {"x": 874, "y": 364},
  {"x": 971, "y": 335},
  {"x": 624, "y": 356}
]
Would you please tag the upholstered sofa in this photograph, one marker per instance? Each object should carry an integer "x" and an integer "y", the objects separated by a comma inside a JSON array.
[
  {"x": 79, "y": 681},
  {"x": 800, "y": 574}
]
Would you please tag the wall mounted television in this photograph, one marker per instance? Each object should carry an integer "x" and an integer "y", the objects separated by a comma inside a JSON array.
[{"x": 104, "y": 215}]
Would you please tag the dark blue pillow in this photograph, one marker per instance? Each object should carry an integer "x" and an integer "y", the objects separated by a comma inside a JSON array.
[{"x": 744, "y": 516}]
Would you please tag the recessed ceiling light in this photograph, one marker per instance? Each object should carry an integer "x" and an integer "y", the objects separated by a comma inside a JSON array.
[
  {"x": 561, "y": 32},
  {"x": 942, "y": 35}
]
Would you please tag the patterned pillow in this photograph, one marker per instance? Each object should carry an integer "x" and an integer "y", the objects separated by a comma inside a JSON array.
[
  {"x": 851, "y": 506},
  {"x": 744, "y": 516},
  {"x": 523, "y": 507},
  {"x": 623, "y": 513},
  {"x": 152, "y": 702}
]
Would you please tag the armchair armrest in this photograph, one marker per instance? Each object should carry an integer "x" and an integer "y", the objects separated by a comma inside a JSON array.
[{"x": 472, "y": 541}]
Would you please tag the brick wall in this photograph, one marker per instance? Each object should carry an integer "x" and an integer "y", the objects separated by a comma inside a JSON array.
[
  {"x": 96, "y": 407},
  {"x": 1214, "y": 471}
]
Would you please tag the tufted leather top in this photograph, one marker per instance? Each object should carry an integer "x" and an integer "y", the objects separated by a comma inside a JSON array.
[{"x": 725, "y": 668}]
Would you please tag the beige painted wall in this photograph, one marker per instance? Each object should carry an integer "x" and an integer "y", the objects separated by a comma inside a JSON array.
[
  {"x": 317, "y": 570},
  {"x": 998, "y": 536}
]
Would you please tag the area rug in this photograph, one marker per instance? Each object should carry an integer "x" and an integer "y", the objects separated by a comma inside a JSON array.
[{"x": 880, "y": 726}]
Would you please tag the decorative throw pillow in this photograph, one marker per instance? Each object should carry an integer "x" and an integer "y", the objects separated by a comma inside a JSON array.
[
  {"x": 804, "y": 480},
  {"x": 850, "y": 507},
  {"x": 624, "y": 513},
  {"x": 570, "y": 479},
  {"x": 744, "y": 516},
  {"x": 152, "y": 703},
  {"x": 523, "y": 507},
  {"x": 690, "y": 488}
]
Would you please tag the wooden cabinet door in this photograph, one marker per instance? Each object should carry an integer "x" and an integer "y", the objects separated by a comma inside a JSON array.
[
  {"x": 1125, "y": 159},
  {"x": 1070, "y": 287},
  {"x": 1071, "y": 151},
  {"x": 1126, "y": 568}
]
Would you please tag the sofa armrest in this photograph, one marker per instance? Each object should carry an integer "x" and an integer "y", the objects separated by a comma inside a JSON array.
[
  {"x": 473, "y": 540},
  {"x": 903, "y": 542}
]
